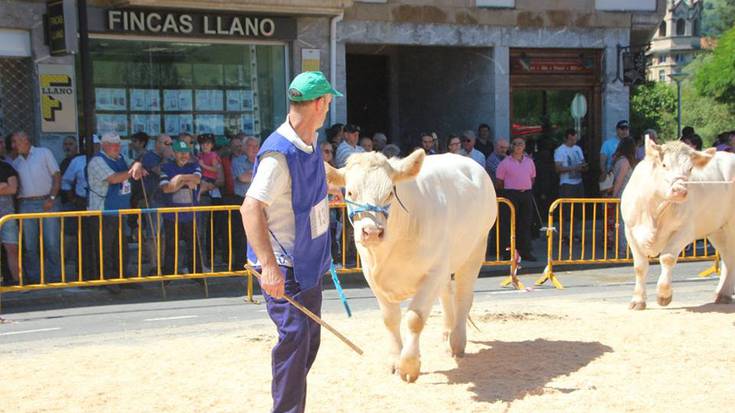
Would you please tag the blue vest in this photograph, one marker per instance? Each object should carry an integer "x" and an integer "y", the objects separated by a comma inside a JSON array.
[
  {"x": 311, "y": 257},
  {"x": 114, "y": 199}
]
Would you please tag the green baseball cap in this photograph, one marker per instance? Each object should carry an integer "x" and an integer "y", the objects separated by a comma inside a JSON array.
[
  {"x": 181, "y": 146},
  {"x": 309, "y": 86},
  {"x": 221, "y": 141}
]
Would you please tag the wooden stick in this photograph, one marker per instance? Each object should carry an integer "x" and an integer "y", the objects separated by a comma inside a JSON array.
[{"x": 313, "y": 316}]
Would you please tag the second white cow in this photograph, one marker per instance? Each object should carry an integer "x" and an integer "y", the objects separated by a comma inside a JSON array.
[
  {"x": 676, "y": 195},
  {"x": 418, "y": 220}
]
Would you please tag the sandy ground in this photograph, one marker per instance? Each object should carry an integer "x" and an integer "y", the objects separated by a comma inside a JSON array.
[{"x": 550, "y": 356}]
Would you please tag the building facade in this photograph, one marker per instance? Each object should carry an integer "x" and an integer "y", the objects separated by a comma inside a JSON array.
[
  {"x": 677, "y": 40},
  {"x": 405, "y": 66}
]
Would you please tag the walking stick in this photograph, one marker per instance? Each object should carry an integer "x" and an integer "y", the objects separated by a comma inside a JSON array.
[
  {"x": 155, "y": 236},
  {"x": 313, "y": 316}
]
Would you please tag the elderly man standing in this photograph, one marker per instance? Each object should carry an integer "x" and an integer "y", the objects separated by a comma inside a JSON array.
[
  {"x": 349, "y": 145},
  {"x": 468, "y": 148},
  {"x": 286, "y": 217},
  {"x": 493, "y": 160},
  {"x": 515, "y": 177},
  {"x": 71, "y": 150},
  {"x": 109, "y": 177},
  {"x": 180, "y": 180},
  {"x": 40, "y": 182}
]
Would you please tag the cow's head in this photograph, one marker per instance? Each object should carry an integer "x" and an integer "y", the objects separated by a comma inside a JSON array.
[
  {"x": 368, "y": 180},
  {"x": 671, "y": 167}
]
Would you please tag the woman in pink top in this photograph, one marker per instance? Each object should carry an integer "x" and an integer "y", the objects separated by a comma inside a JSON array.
[{"x": 515, "y": 176}]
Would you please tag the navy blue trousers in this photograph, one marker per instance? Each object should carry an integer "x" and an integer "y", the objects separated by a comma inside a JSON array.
[{"x": 298, "y": 343}]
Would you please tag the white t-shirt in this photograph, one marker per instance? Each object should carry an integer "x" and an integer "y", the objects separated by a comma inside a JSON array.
[
  {"x": 568, "y": 157},
  {"x": 272, "y": 186}
]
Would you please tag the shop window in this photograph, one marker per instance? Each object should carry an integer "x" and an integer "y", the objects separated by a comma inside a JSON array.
[
  {"x": 662, "y": 29},
  {"x": 680, "y": 27},
  {"x": 173, "y": 87}
]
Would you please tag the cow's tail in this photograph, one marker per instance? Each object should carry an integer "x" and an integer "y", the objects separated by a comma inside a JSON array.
[{"x": 472, "y": 323}]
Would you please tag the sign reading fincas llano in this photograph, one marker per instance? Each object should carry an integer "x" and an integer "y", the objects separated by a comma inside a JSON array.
[{"x": 58, "y": 98}]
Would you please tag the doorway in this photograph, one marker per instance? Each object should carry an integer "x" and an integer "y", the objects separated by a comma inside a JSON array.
[{"x": 367, "y": 91}]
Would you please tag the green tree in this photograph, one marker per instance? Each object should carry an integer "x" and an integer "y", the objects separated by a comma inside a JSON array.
[
  {"x": 718, "y": 16},
  {"x": 653, "y": 105},
  {"x": 708, "y": 116},
  {"x": 716, "y": 75}
]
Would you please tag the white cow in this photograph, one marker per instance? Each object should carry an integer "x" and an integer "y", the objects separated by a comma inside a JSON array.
[
  {"x": 441, "y": 209},
  {"x": 664, "y": 209}
]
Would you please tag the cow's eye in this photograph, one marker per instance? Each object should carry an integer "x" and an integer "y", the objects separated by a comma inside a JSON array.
[
  {"x": 349, "y": 194},
  {"x": 664, "y": 164}
]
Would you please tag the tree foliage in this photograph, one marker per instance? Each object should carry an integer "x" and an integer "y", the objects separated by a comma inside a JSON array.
[
  {"x": 653, "y": 105},
  {"x": 716, "y": 75},
  {"x": 718, "y": 17}
]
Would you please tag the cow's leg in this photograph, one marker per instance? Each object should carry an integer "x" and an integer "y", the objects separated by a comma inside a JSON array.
[
  {"x": 447, "y": 301},
  {"x": 723, "y": 243},
  {"x": 464, "y": 280},
  {"x": 667, "y": 259},
  {"x": 392, "y": 320},
  {"x": 640, "y": 266},
  {"x": 418, "y": 312}
]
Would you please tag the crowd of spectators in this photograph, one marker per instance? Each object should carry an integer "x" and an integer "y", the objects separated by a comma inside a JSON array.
[
  {"x": 206, "y": 170},
  {"x": 183, "y": 171}
]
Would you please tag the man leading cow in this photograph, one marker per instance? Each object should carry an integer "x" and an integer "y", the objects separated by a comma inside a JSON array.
[{"x": 286, "y": 219}]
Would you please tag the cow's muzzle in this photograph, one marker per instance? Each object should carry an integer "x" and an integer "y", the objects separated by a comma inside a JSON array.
[
  {"x": 678, "y": 191},
  {"x": 371, "y": 234}
]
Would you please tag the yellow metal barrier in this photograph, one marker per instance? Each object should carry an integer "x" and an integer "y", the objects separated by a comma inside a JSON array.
[
  {"x": 599, "y": 239},
  {"x": 349, "y": 259},
  {"x": 94, "y": 247},
  {"x": 90, "y": 269}
]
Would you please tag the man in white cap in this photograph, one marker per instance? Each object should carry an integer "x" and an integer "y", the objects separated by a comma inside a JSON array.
[{"x": 109, "y": 177}]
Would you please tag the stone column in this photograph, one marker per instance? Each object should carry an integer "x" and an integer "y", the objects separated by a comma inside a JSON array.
[
  {"x": 501, "y": 92},
  {"x": 615, "y": 95}
]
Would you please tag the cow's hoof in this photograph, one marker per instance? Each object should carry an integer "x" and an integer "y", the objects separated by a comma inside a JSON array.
[
  {"x": 664, "y": 301},
  {"x": 637, "y": 305},
  {"x": 408, "y": 369},
  {"x": 723, "y": 299}
]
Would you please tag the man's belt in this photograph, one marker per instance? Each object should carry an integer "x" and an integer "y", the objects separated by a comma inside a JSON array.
[{"x": 33, "y": 198}]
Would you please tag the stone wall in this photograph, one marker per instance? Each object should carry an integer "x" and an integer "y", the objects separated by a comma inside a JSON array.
[{"x": 499, "y": 39}]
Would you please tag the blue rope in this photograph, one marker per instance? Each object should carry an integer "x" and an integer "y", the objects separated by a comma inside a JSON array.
[
  {"x": 354, "y": 208},
  {"x": 338, "y": 286}
]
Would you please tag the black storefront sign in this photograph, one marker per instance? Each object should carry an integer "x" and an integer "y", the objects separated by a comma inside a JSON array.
[
  {"x": 56, "y": 27},
  {"x": 191, "y": 23}
]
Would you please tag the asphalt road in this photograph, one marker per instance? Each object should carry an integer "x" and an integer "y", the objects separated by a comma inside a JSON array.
[{"x": 93, "y": 315}]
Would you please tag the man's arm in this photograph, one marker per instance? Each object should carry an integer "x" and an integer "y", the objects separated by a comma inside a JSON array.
[
  {"x": 172, "y": 185},
  {"x": 499, "y": 184},
  {"x": 256, "y": 230},
  {"x": 10, "y": 187},
  {"x": 118, "y": 177}
]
